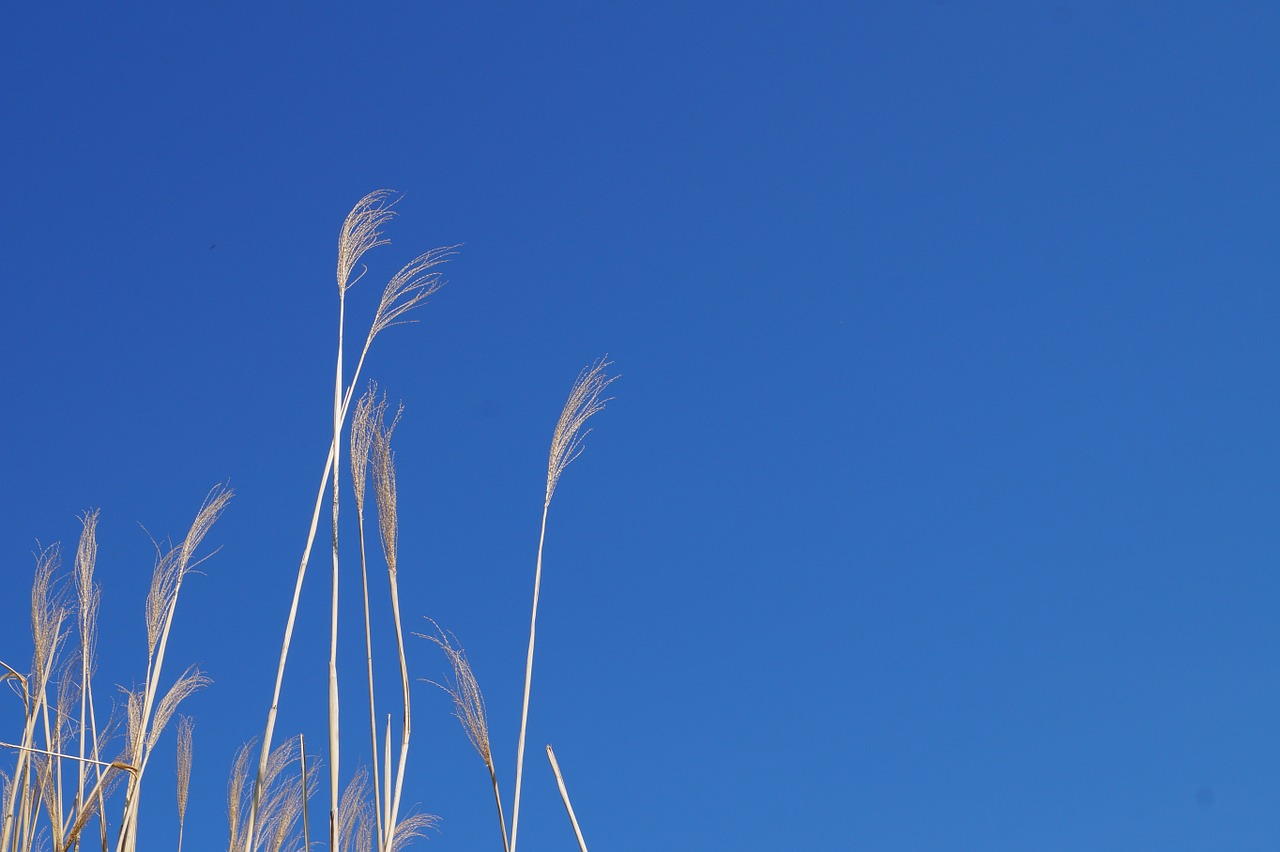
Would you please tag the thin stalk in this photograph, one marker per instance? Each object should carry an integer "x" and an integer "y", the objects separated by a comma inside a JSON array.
[
  {"x": 306, "y": 831},
  {"x": 334, "y": 793},
  {"x": 368, "y": 645},
  {"x": 497, "y": 798},
  {"x": 528, "y": 678},
  {"x": 274, "y": 710},
  {"x": 90, "y": 760},
  {"x": 386, "y": 801},
  {"x": 404, "y": 738},
  {"x": 564, "y": 794}
]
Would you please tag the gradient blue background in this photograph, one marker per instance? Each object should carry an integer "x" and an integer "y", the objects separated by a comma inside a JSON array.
[{"x": 937, "y": 506}]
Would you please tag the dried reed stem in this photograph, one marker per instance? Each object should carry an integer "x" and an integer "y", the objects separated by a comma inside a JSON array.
[
  {"x": 334, "y": 738},
  {"x": 564, "y": 794}
]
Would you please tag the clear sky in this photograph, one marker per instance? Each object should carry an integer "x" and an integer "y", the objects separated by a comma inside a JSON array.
[{"x": 937, "y": 505}]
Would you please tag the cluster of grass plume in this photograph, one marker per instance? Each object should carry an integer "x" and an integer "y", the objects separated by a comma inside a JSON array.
[{"x": 69, "y": 768}]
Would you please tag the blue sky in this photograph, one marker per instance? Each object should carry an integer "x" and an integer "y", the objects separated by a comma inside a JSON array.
[{"x": 936, "y": 508}]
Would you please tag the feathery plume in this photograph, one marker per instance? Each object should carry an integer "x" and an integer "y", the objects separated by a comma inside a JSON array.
[
  {"x": 384, "y": 487},
  {"x": 361, "y": 231},
  {"x": 409, "y": 288},
  {"x": 185, "y": 736},
  {"x": 368, "y": 413},
  {"x": 468, "y": 703},
  {"x": 190, "y": 681},
  {"x": 584, "y": 400}
]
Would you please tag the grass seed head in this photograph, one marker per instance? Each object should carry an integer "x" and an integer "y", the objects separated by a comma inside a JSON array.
[
  {"x": 468, "y": 702},
  {"x": 584, "y": 400},
  {"x": 362, "y": 231}
]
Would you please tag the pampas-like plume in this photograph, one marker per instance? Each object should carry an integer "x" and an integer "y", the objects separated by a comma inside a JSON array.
[
  {"x": 584, "y": 401},
  {"x": 468, "y": 707},
  {"x": 384, "y": 487},
  {"x": 282, "y": 800},
  {"x": 566, "y": 445},
  {"x": 172, "y": 567},
  {"x": 190, "y": 681},
  {"x": 162, "y": 601},
  {"x": 468, "y": 702},
  {"x": 355, "y": 814},
  {"x": 361, "y": 231},
  {"x": 185, "y": 743},
  {"x": 368, "y": 413},
  {"x": 88, "y": 596},
  {"x": 410, "y": 287}
]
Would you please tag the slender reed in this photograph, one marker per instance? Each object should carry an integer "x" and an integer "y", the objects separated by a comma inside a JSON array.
[
  {"x": 407, "y": 289},
  {"x": 564, "y": 794},
  {"x": 566, "y": 445}
]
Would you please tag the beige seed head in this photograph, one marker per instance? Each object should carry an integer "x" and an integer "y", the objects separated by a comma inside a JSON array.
[
  {"x": 185, "y": 736},
  {"x": 384, "y": 487},
  {"x": 468, "y": 702},
  {"x": 584, "y": 400},
  {"x": 361, "y": 231}
]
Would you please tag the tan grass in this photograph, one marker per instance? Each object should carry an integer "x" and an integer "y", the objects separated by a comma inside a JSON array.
[
  {"x": 406, "y": 290},
  {"x": 566, "y": 445},
  {"x": 469, "y": 708}
]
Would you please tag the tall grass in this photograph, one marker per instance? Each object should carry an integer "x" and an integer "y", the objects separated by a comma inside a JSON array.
[
  {"x": 60, "y": 782},
  {"x": 75, "y": 771}
]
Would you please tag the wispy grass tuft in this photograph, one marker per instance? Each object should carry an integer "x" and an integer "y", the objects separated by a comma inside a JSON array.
[
  {"x": 185, "y": 742},
  {"x": 566, "y": 445},
  {"x": 468, "y": 707}
]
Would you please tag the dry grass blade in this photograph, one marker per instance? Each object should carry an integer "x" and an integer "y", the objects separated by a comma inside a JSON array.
[
  {"x": 361, "y": 231},
  {"x": 564, "y": 795},
  {"x": 584, "y": 401},
  {"x": 409, "y": 288}
]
